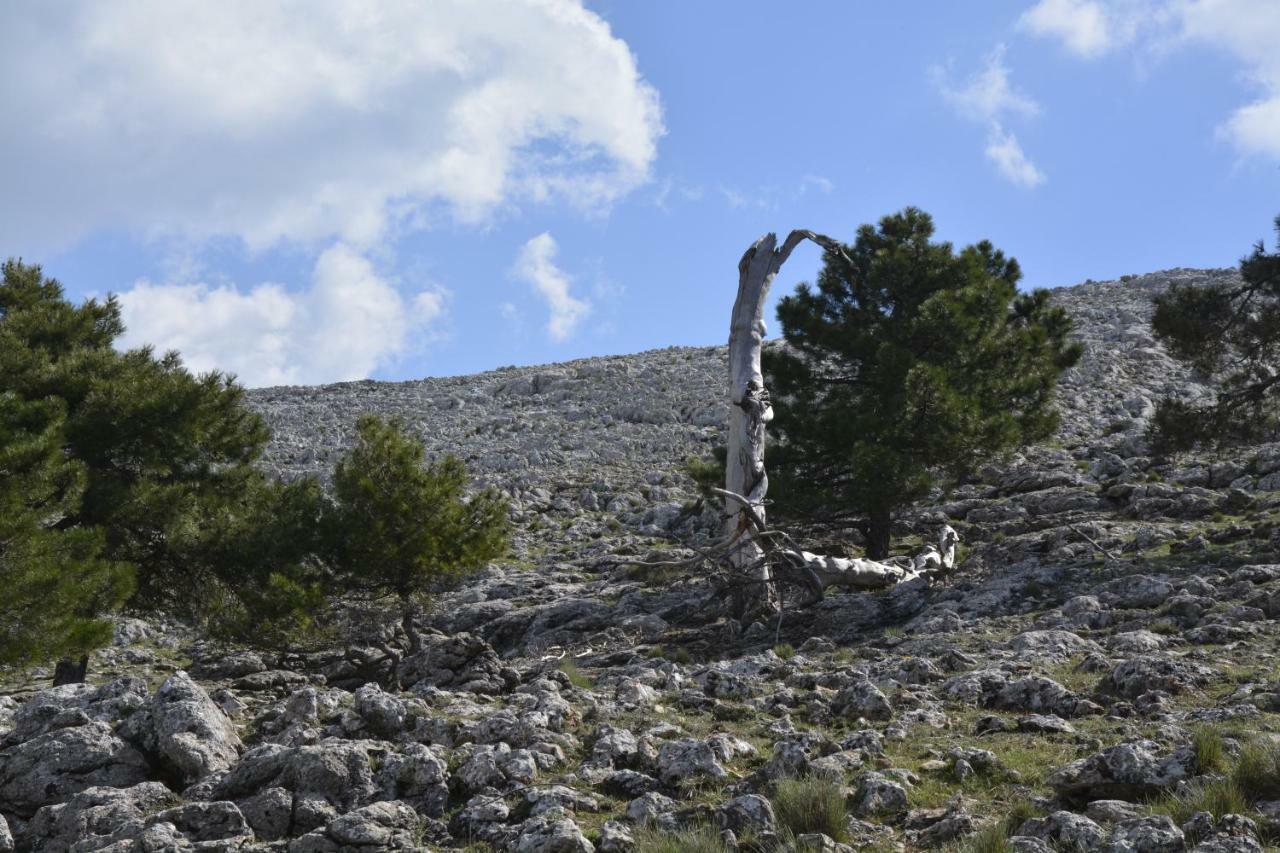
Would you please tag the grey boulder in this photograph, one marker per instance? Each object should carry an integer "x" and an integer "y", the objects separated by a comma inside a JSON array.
[
  {"x": 192, "y": 734},
  {"x": 52, "y": 767}
]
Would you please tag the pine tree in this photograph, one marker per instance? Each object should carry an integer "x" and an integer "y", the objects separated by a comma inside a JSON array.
[
  {"x": 55, "y": 581},
  {"x": 409, "y": 529},
  {"x": 907, "y": 361},
  {"x": 165, "y": 458},
  {"x": 1230, "y": 332}
]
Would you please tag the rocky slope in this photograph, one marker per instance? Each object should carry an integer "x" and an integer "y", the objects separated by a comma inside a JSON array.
[{"x": 1105, "y": 653}]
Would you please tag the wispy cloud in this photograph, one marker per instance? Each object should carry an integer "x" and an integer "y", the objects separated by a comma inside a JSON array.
[
  {"x": 1006, "y": 154},
  {"x": 536, "y": 265},
  {"x": 816, "y": 182},
  {"x": 987, "y": 94},
  {"x": 989, "y": 97},
  {"x": 670, "y": 190}
]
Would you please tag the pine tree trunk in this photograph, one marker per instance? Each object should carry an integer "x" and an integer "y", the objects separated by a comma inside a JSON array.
[
  {"x": 71, "y": 671},
  {"x": 411, "y": 630},
  {"x": 879, "y": 534}
]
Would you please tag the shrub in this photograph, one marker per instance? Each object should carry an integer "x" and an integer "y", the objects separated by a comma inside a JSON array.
[{"x": 707, "y": 473}]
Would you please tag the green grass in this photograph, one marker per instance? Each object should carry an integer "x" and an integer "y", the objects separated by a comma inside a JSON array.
[
  {"x": 576, "y": 677},
  {"x": 1210, "y": 753},
  {"x": 990, "y": 839},
  {"x": 995, "y": 838},
  {"x": 701, "y": 839},
  {"x": 679, "y": 655},
  {"x": 811, "y": 805},
  {"x": 1253, "y": 777},
  {"x": 786, "y": 651},
  {"x": 1070, "y": 676},
  {"x": 1257, "y": 771},
  {"x": 1218, "y": 797}
]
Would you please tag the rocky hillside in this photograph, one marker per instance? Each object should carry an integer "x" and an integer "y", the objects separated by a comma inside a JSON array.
[{"x": 1097, "y": 677}]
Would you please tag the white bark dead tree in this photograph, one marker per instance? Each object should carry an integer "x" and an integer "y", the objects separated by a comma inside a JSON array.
[{"x": 746, "y": 482}]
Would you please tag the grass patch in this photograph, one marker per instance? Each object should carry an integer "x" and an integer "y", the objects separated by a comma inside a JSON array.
[
  {"x": 702, "y": 839},
  {"x": 679, "y": 655},
  {"x": 1253, "y": 777},
  {"x": 995, "y": 838},
  {"x": 1072, "y": 677},
  {"x": 786, "y": 651},
  {"x": 576, "y": 676},
  {"x": 1257, "y": 771},
  {"x": 1218, "y": 797},
  {"x": 991, "y": 839},
  {"x": 1210, "y": 753},
  {"x": 810, "y": 805}
]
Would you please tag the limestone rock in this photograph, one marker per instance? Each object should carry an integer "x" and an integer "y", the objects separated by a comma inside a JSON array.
[
  {"x": 1156, "y": 834},
  {"x": 1064, "y": 830},
  {"x": 878, "y": 795},
  {"x": 1125, "y": 772},
  {"x": 1142, "y": 674},
  {"x": 750, "y": 812},
  {"x": 52, "y": 767},
  {"x": 459, "y": 662},
  {"x": 191, "y": 732},
  {"x": 552, "y": 832},
  {"x": 96, "y": 813},
  {"x": 378, "y": 826},
  {"x": 687, "y": 759}
]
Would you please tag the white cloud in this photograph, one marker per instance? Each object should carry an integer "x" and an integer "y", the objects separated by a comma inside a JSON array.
[
  {"x": 1248, "y": 30},
  {"x": 818, "y": 182},
  {"x": 537, "y": 266},
  {"x": 346, "y": 324},
  {"x": 297, "y": 121},
  {"x": 988, "y": 97},
  {"x": 1005, "y": 152},
  {"x": 1081, "y": 25}
]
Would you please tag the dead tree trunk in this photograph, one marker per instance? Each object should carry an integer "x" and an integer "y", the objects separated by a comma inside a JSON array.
[
  {"x": 753, "y": 593},
  {"x": 749, "y": 413}
]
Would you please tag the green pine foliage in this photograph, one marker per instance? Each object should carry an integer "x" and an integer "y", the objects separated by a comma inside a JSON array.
[
  {"x": 165, "y": 486},
  {"x": 408, "y": 529},
  {"x": 164, "y": 453},
  {"x": 127, "y": 481},
  {"x": 908, "y": 359},
  {"x": 54, "y": 580},
  {"x": 272, "y": 578},
  {"x": 1231, "y": 333}
]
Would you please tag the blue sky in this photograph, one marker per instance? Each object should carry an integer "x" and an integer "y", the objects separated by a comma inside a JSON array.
[{"x": 304, "y": 193}]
